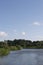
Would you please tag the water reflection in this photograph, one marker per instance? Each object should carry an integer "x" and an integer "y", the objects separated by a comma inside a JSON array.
[{"x": 23, "y": 57}]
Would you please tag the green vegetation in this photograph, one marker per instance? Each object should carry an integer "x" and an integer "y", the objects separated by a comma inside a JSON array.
[
  {"x": 9, "y": 45},
  {"x": 15, "y": 47},
  {"x": 4, "y": 51}
]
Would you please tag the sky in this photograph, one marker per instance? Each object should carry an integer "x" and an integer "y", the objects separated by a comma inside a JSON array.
[{"x": 21, "y": 19}]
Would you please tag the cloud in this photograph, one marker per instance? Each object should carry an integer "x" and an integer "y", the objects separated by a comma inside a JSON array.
[
  {"x": 23, "y": 33},
  {"x": 3, "y": 34},
  {"x": 36, "y": 23}
]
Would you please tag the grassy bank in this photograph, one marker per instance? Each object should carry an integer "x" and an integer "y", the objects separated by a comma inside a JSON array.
[
  {"x": 13, "y": 48},
  {"x": 6, "y": 51}
]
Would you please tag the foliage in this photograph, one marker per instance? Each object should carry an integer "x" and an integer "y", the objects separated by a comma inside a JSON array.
[
  {"x": 13, "y": 48},
  {"x": 4, "y": 51},
  {"x": 8, "y": 45}
]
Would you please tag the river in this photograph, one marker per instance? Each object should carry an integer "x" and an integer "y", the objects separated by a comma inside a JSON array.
[{"x": 23, "y": 57}]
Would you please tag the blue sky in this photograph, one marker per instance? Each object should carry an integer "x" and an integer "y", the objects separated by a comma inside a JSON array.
[{"x": 21, "y": 19}]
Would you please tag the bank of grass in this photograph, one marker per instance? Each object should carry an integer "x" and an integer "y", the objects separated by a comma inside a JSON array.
[
  {"x": 14, "y": 48},
  {"x": 4, "y": 51}
]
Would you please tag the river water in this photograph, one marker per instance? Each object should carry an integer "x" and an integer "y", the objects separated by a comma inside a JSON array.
[{"x": 23, "y": 57}]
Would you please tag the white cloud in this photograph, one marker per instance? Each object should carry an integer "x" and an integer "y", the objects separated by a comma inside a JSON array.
[
  {"x": 36, "y": 23},
  {"x": 23, "y": 33},
  {"x": 3, "y": 34}
]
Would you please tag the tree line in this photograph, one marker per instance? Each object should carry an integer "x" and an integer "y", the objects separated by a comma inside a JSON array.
[{"x": 21, "y": 43}]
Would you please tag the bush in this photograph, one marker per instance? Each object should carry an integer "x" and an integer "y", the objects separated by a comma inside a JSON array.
[
  {"x": 4, "y": 51},
  {"x": 13, "y": 48},
  {"x": 19, "y": 47}
]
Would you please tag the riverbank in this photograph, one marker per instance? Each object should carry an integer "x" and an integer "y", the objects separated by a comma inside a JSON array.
[
  {"x": 5, "y": 51},
  {"x": 13, "y": 45}
]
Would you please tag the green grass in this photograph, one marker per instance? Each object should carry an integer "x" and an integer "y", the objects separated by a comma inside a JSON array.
[
  {"x": 14, "y": 48},
  {"x": 4, "y": 51}
]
